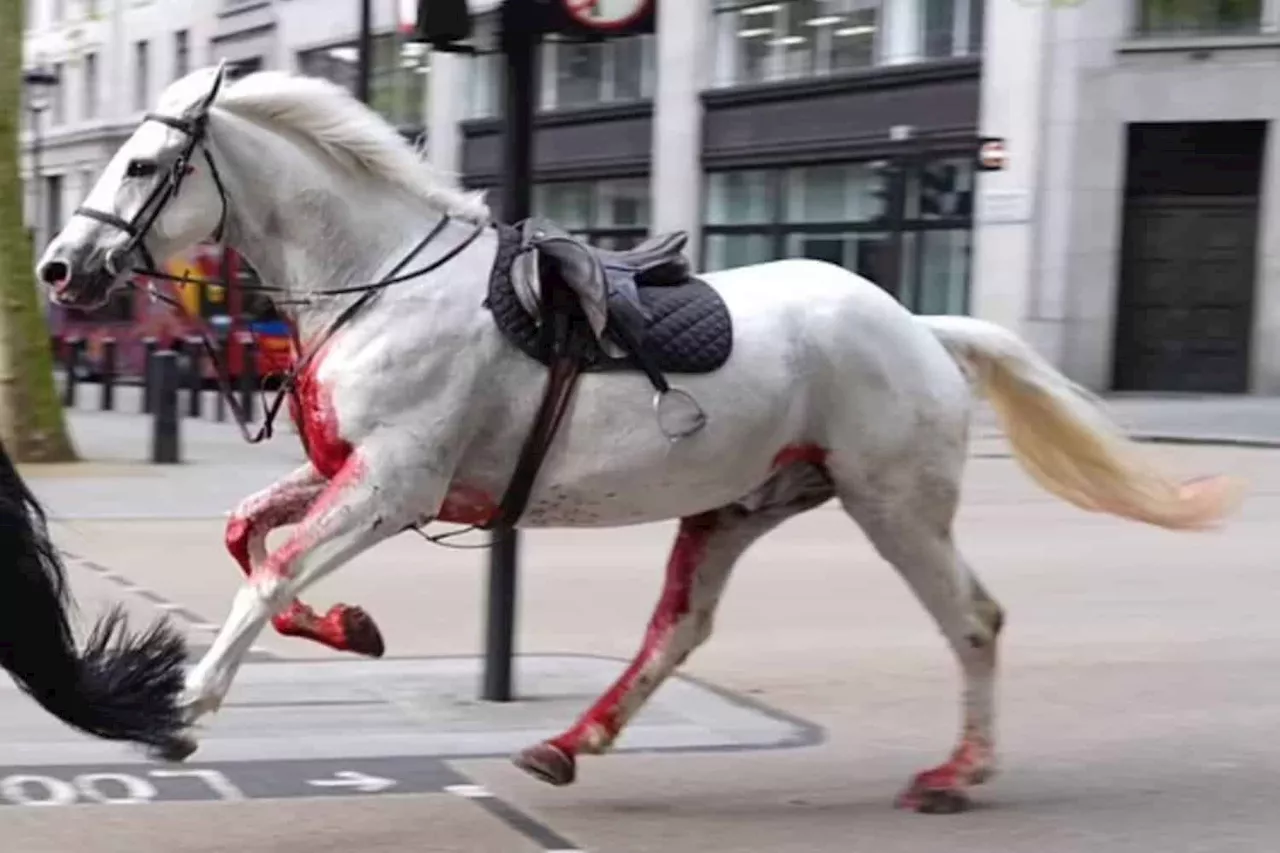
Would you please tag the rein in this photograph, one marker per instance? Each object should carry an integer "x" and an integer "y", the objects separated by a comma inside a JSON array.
[{"x": 137, "y": 228}]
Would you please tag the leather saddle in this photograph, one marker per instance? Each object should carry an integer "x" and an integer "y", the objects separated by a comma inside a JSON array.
[{"x": 579, "y": 308}]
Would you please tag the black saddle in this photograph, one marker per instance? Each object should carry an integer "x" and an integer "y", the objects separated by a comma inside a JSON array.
[
  {"x": 577, "y": 308},
  {"x": 643, "y": 307}
]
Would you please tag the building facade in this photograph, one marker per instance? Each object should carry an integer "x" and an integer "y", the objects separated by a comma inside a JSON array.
[
  {"x": 834, "y": 129},
  {"x": 1135, "y": 235}
]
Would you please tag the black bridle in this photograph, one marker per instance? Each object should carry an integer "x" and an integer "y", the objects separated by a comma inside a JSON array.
[{"x": 195, "y": 128}]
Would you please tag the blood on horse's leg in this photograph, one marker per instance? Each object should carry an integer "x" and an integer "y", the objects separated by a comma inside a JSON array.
[
  {"x": 706, "y": 549},
  {"x": 343, "y": 627}
]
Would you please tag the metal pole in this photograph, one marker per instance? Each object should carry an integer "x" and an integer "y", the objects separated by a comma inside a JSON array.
[
  {"x": 520, "y": 35},
  {"x": 365, "y": 66}
]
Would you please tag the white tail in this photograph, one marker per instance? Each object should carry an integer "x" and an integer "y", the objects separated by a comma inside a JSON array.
[{"x": 1063, "y": 438}]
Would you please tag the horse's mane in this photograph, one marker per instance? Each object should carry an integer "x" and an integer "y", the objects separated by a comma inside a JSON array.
[{"x": 357, "y": 138}]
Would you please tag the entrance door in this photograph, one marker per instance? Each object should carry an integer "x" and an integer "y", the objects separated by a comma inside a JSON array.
[
  {"x": 1187, "y": 274},
  {"x": 1188, "y": 257}
]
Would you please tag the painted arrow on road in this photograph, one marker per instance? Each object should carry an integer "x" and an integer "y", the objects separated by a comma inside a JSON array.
[{"x": 362, "y": 782}]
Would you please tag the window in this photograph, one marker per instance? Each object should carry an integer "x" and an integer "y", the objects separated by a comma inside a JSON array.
[
  {"x": 58, "y": 96},
  {"x": 571, "y": 73},
  {"x": 181, "y": 54},
  {"x": 59, "y": 8},
  {"x": 52, "y": 206},
  {"x": 904, "y": 225},
  {"x": 141, "y": 75},
  {"x": 1198, "y": 17},
  {"x": 612, "y": 213},
  {"x": 397, "y": 76},
  {"x": 90, "y": 81},
  {"x": 761, "y": 42}
]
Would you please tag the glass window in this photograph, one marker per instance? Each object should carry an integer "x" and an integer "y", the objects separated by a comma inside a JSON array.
[
  {"x": 622, "y": 203},
  {"x": 57, "y": 100},
  {"x": 760, "y": 42},
  {"x": 181, "y": 54},
  {"x": 141, "y": 75},
  {"x": 904, "y": 225},
  {"x": 579, "y": 74},
  {"x": 397, "y": 78},
  {"x": 724, "y": 251},
  {"x": 843, "y": 193},
  {"x": 1198, "y": 17},
  {"x": 90, "y": 81},
  {"x": 612, "y": 213},
  {"x": 741, "y": 197}
]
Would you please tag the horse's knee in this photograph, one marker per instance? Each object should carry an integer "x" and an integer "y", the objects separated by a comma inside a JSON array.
[{"x": 239, "y": 531}]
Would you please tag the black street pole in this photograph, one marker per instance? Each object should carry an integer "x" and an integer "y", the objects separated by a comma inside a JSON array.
[
  {"x": 520, "y": 34},
  {"x": 364, "y": 68}
]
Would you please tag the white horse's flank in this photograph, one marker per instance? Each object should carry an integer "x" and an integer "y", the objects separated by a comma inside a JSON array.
[{"x": 418, "y": 406}]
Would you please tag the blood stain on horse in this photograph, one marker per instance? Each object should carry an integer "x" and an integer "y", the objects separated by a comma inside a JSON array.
[
  {"x": 466, "y": 505},
  {"x": 793, "y": 454},
  {"x": 313, "y": 414}
]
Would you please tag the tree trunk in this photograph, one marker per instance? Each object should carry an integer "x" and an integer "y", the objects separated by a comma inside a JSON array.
[{"x": 31, "y": 421}]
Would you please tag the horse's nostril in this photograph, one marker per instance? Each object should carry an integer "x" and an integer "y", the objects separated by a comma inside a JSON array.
[{"x": 55, "y": 272}]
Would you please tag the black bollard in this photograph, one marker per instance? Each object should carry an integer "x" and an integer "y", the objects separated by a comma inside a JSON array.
[
  {"x": 165, "y": 421},
  {"x": 195, "y": 377},
  {"x": 107, "y": 374},
  {"x": 248, "y": 378},
  {"x": 220, "y": 395},
  {"x": 149, "y": 347},
  {"x": 71, "y": 360}
]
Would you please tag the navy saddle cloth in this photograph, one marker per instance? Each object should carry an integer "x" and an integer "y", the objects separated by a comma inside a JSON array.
[{"x": 679, "y": 322}]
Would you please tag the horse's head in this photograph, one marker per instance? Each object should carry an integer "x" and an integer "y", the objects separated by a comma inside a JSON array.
[{"x": 157, "y": 196}]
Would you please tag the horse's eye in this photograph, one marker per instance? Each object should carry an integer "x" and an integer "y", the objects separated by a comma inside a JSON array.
[{"x": 141, "y": 168}]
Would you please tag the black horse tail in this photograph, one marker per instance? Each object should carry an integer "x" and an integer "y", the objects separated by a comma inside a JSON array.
[{"x": 123, "y": 685}]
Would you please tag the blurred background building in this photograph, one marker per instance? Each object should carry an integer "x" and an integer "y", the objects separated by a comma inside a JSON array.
[{"x": 1128, "y": 230}]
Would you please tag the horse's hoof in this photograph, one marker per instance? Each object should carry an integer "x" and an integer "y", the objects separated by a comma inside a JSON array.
[
  {"x": 547, "y": 763},
  {"x": 361, "y": 632},
  {"x": 174, "y": 750},
  {"x": 937, "y": 801}
]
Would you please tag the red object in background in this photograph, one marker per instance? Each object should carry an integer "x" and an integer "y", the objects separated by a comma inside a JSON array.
[{"x": 132, "y": 316}]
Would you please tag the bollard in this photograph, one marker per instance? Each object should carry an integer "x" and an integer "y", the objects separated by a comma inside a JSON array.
[
  {"x": 220, "y": 396},
  {"x": 73, "y": 351},
  {"x": 107, "y": 374},
  {"x": 195, "y": 377},
  {"x": 149, "y": 347},
  {"x": 248, "y": 378},
  {"x": 165, "y": 421}
]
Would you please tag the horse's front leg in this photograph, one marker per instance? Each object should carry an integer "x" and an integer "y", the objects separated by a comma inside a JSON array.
[
  {"x": 375, "y": 495},
  {"x": 343, "y": 627}
]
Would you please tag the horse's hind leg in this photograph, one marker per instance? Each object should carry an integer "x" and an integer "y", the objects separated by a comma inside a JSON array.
[
  {"x": 909, "y": 520},
  {"x": 706, "y": 549},
  {"x": 343, "y": 627}
]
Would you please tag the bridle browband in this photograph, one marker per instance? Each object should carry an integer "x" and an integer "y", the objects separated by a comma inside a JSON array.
[{"x": 195, "y": 128}]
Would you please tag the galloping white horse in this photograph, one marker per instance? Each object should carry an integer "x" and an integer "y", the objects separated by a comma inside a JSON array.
[{"x": 414, "y": 405}]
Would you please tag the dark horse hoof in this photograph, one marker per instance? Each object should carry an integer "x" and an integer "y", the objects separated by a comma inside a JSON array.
[
  {"x": 939, "y": 801},
  {"x": 363, "y": 636},
  {"x": 174, "y": 750},
  {"x": 547, "y": 763}
]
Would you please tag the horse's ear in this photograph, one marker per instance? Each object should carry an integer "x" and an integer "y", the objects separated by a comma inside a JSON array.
[{"x": 218, "y": 77}]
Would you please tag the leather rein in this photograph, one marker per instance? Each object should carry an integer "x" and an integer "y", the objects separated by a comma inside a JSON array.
[{"x": 195, "y": 128}]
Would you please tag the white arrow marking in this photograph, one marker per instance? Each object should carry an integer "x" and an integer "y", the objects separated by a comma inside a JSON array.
[{"x": 362, "y": 782}]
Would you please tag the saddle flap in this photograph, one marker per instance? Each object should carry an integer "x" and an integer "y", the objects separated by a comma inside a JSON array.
[{"x": 549, "y": 251}]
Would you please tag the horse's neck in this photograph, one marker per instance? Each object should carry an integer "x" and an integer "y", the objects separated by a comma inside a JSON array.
[{"x": 306, "y": 226}]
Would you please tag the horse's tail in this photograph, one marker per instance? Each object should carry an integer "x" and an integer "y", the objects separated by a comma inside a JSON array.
[
  {"x": 121, "y": 686},
  {"x": 1063, "y": 438}
]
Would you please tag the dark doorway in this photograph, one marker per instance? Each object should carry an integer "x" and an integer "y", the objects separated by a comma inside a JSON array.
[{"x": 1189, "y": 256}]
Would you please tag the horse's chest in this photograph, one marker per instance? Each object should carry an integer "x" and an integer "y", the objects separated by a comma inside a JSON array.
[{"x": 311, "y": 407}]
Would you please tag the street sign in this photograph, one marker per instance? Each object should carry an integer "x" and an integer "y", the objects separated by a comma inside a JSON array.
[{"x": 608, "y": 15}]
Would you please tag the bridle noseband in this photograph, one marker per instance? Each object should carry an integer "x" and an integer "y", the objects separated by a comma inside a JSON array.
[{"x": 195, "y": 126}]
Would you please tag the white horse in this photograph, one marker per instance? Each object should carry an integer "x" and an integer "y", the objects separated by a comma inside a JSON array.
[{"x": 416, "y": 407}]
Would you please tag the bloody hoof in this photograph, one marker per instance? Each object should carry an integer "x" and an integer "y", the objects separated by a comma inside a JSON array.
[
  {"x": 937, "y": 801},
  {"x": 547, "y": 763},
  {"x": 174, "y": 750},
  {"x": 361, "y": 632}
]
